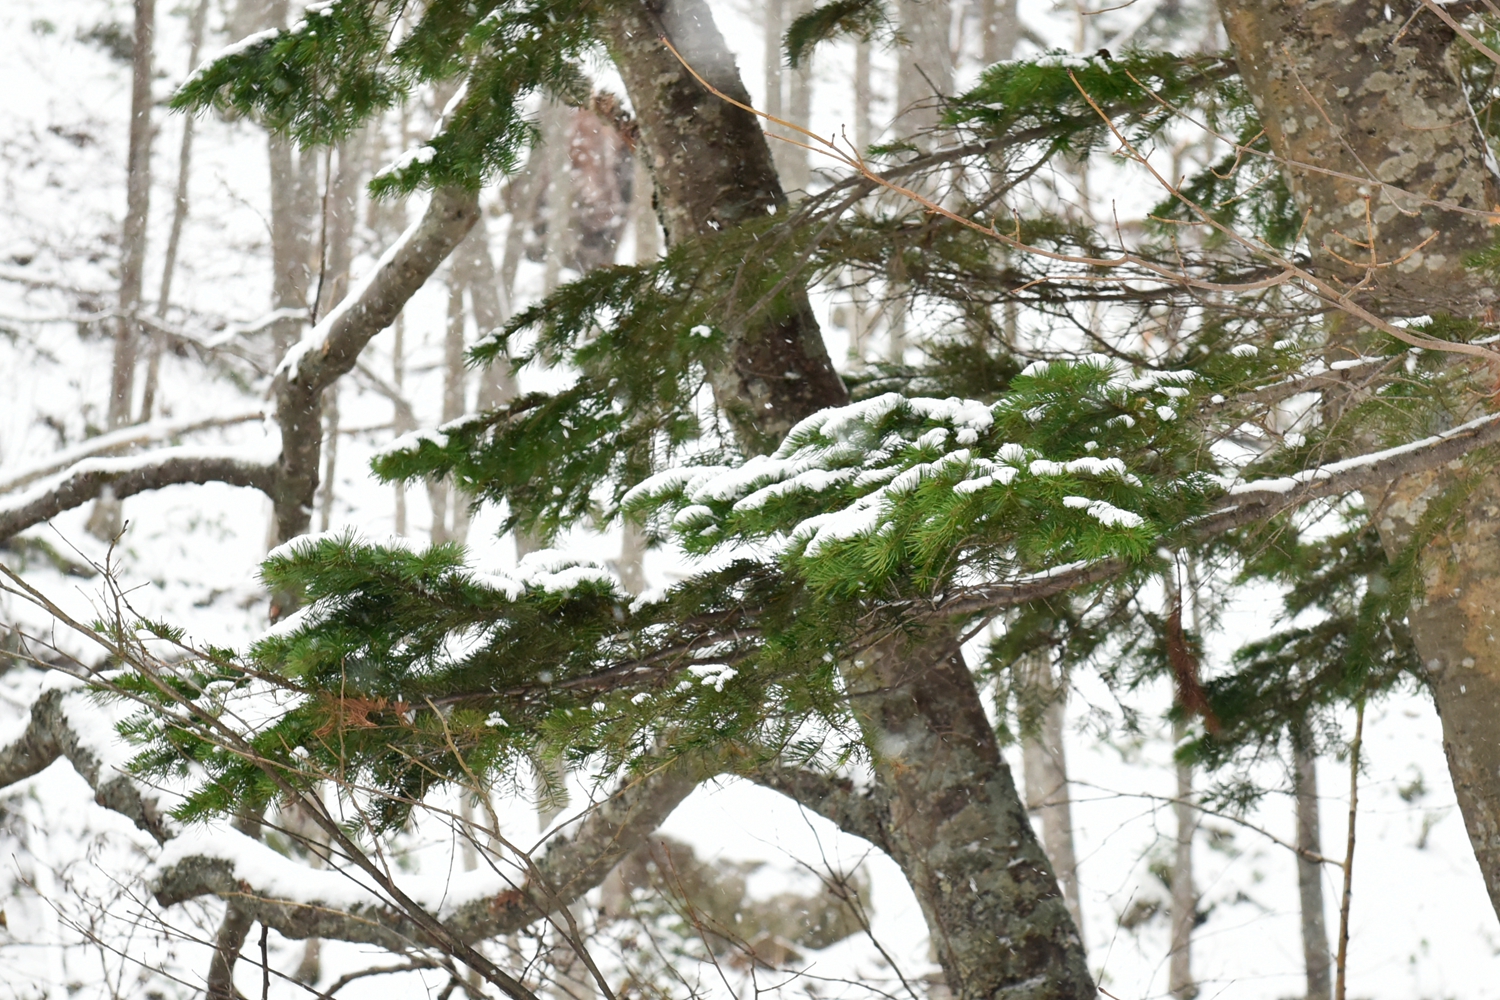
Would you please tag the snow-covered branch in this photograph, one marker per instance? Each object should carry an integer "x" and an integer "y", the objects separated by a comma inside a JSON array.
[
  {"x": 135, "y": 474},
  {"x": 122, "y": 440},
  {"x": 1365, "y": 472},
  {"x": 63, "y": 724},
  {"x": 333, "y": 346},
  {"x": 299, "y": 902}
]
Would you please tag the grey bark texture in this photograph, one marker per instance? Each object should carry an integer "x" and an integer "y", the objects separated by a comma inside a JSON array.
[
  {"x": 1367, "y": 112},
  {"x": 1044, "y": 762},
  {"x": 955, "y": 821},
  {"x": 924, "y": 71},
  {"x": 137, "y": 209},
  {"x": 958, "y": 829},
  {"x": 197, "y": 22},
  {"x": 713, "y": 170},
  {"x": 51, "y": 735},
  {"x": 1184, "y": 907},
  {"x": 1315, "y": 956},
  {"x": 570, "y": 866},
  {"x": 342, "y": 335}
]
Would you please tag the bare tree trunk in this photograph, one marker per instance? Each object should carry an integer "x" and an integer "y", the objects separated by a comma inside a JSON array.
[
  {"x": 924, "y": 69},
  {"x": 1045, "y": 764},
  {"x": 340, "y": 211},
  {"x": 864, "y": 93},
  {"x": 137, "y": 209},
  {"x": 774, "y": 14},
  {"x": 490, "y": 295},
  {"x": 1001, "y": 25},
  {"x": 440, "y": 493},
  {"x": 398, "y": 418},
  {"x": 1315, "y": 956},
  {"x": 949, "y": 791},
  {"x": 330, "y": 456},
  {"x": 712, "y": 169},
  {"x": 1353, "y": 91},
  {"x": 644, "y": 222},
  {"x": 792, "y": 161},
  {"x": 196, "y": 26},
  {"x": 1184, "y": 892},
  {"x": 105, "y": 520},
  {"x": 556, "y": 136}
]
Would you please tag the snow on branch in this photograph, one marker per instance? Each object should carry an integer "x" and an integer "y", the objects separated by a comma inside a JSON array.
[
  {"x": 65, "y": 724},
  {"x": 299, "y": 902},
  {"x": 118, "y": 441},
  {"x": 1367, "y": 471},
  {"x": 125, "y": 477},
  {"x": 331, "y": 348}
]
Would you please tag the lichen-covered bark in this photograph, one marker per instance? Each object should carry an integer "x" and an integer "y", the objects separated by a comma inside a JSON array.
[
  {"x": 959, "y": 831},
  {"x": 1362, "y": 99},
  {"x": 712, "y": 170}
]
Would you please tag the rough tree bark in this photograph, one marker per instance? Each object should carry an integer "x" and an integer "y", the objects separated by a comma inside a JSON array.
[
  {"x": 1362, "y": 102},
  {"x": 712, "y": 170},
  {"x": 958, "y": 829},
  {"x": 957, "y": 825}
]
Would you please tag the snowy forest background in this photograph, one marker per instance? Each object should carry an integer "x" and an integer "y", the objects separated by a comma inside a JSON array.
[{"x": 77, "y": 920}]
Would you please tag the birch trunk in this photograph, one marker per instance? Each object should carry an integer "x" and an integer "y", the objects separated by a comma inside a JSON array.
[{"x": 1369, "y": 91}]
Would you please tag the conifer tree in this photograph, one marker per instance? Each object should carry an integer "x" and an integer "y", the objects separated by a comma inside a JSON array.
[{"x": 852, "y": 536}]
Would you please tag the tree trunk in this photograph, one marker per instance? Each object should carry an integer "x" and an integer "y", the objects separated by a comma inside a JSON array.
[
  {"x": 196, "y": 24},
  {"x": 137, "y": 209},
  {"x": 489, "y": 298},
  {"x": 924, "y": 70},
  {"x": 1352, "y": 90},
  {"x": 958, "y": 830},
  {"x": 1045, "y": 765},
  {"x": 1315, "y": 955},
  {"x": 1001, "y": 25},
  {"x": 558, "y": 174},
  {"x": 105, "y": 520},
  {"x": 1184, "y": 893},
  {"x": 712, "y": 170}
]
